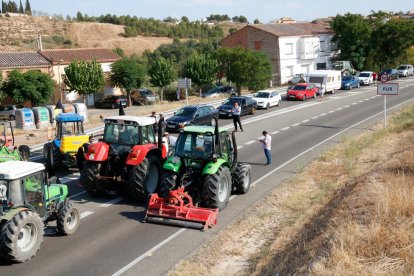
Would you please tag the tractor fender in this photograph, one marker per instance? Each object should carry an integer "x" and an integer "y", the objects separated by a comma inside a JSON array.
[
  {"x": 97, "y": 152},
  {"x": 139, "y": 152},
  {"x": 173, "y": 164},
  {"x": 56, "y": 192},
  {"x": 212, "y": 167},
  {"x": 10, "y": 213},
  {"x": 57, "y": 143}
]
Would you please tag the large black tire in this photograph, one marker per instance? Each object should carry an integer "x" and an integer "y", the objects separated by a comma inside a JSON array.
[
  {"x": 242, "y": 178},
  {"x": 68, "y": 219},
  {"x": 20, "y": 237},
  {"x": 24, "y": 152},
  {"x": 144, "y": 178},
  {"x": 168, "y": 183},
  {"x": 216, "y": 189},
  {"x": 89, "y": 178}
]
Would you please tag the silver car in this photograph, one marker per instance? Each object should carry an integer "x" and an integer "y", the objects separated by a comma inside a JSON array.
[
  {"x": 8, "y": 112},
  {"x": 405, "y": 70}
]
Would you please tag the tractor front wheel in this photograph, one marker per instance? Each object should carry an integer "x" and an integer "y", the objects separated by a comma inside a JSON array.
[
  {"x": 88, "y": 177},
  {"x": 216, "y": 189},
  {"x": 24, "y": 152},
  {"x": 68, "y": 219},
  {"x": 168, "y": 183},
  {"x": 241, "y": 178},
  {"x": 21, "y": 236},
  {"x": 143, "y": 178}
]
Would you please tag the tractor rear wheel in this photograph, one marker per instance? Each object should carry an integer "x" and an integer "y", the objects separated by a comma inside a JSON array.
[
  {"x": 68, "y": 219},
  {"x": 21, "y": 236},
  {"x": 216, "y": 189},
  {"x": 241, "y": 178},
  {"x": 168, "y": 183},
  {"x": 143, "y": 178},
  {"x": 88, "y": 177},
  {"x": 24, "y": 152}
]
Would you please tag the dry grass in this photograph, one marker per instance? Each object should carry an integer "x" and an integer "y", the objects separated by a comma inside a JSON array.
[{"x": 350, "y": 212}]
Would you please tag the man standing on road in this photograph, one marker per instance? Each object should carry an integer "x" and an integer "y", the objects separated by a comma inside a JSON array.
[
  {"x": 266, "y": 141},
  {"x": 236, "y": 111},
  {"x": 374, "y": 78}
]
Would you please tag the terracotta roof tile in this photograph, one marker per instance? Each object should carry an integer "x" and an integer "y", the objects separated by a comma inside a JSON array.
[
  {"x": 22, "y": 60},
  {"x": 293, "y": 29},
  {"x": 66, "y": 56}
]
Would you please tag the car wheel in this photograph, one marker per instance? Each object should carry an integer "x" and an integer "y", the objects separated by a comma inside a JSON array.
[
  {"x": 350, "y": 87},
  {"x": 267, "y": 106},
  {"x": 358, "y": 85},
  {"x": 278, "y": 103},
  {"x": 304, "y": 98},
  {"x": 12, "y": 117},
  {"x": 113, "y": 106}
]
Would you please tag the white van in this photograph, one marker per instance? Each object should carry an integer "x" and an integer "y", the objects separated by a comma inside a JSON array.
[{"x": 328, "y": 80}]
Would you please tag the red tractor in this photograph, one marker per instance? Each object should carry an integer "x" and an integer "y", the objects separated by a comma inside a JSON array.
[{"x": 128, "y": 158}]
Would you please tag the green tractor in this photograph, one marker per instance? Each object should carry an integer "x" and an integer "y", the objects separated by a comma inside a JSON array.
[
  {"x": 205, "y": 163},
  {"x": 8, "y": 151},
  {"x": 62, "y": 151},
  {"x": 28, "y": 203}
]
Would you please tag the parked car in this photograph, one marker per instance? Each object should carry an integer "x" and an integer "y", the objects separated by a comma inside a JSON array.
[
  {"x": 192, "y": 115},
  {"x": 298, "y": 78},
  {"x": 111, "y": 102},
  {"x": 302, "y": 91},
  {"x": 405, "y": 70},
  {"x": 219, "y": 90},
  {"x": 8, "y": 112},
  {"x": 248, "y": 106},
  {"x": 349, "y": 82},
  {"x": 144, "y": 96},
  {"x": 267, "y": 98},
  {"x": 392, "y": 74},
  {"x": 366, "y": 77}
]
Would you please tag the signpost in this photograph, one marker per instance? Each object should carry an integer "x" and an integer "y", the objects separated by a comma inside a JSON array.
[
  {"x": 184, "y": 83},
  {"x": 386, "y": 89}
]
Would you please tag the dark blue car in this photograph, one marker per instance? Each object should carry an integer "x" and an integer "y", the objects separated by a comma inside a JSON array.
[
  {"x": 192, "y": 115},
  {"x": 349, "y": 82}
]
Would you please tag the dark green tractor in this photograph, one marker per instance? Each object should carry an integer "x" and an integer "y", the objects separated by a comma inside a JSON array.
[
  {"x": 28, "y": 203},
  {"x": 205, "y": 164}
]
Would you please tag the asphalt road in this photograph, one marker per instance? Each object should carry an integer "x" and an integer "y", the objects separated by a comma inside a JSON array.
[{"x": 112, "y": 239}]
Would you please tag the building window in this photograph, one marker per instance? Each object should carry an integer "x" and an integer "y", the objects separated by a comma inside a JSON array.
[
  {"x": 321, "y": 66},
  {"x": 257, "y": 45},
  {"x": 289, "y": 48}
]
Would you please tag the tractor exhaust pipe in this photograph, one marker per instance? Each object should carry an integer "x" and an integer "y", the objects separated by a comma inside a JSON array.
[
  {"x": 217, "y": 135},
  {"x": 233, "y": 139},
  {"x": 160, "y": 132}
]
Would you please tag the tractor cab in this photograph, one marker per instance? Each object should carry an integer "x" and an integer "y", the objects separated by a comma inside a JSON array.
[
  {"x": 8, "y": 151},
  {"x": 28, "y": 203},
  {"x": 70, "y": 134}
]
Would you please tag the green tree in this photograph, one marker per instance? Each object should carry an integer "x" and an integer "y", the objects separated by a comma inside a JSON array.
[
  {"x": 201, "y": 69},
  {"x": 27, "y": 8},
  {"x": 353, "y": 35},
  {"x": 84, "y": 77},
  {"x": 21, "y": 10},
  {"x": 128, "y": 74},
  {"x": 3, "y": 6},
  {"x": 161, "y": 73},
  {"x": 256, "y": 21},
  {"x": 79, "y": 16},
  {"x": 35, "y": 86}
]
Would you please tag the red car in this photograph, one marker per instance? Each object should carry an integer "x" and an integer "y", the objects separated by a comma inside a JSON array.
[{"x": 302, "y": 91}]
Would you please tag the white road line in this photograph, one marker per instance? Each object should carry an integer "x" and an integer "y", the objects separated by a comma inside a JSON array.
[
  {"x": 360, "y": 101},
  {"x": 373, "y": 97},
  {"x": 232, "y": 197},
  {"x": 78, "y": 194},
  {"x": 340, "y": 108},
  {"x": 332, "y": 111},
  {"x": 179, "y": 232},
  {"x": 305, "y": 121},
  {"x": 239, "y": 147},
  {"x": 346, "y": 106},
  {"x": 85, "y": 214},
  {"x": 354, "y": 103},
  {"x": 149, "y": 252},
  {"x": 296, "y": 124},
  {"x": 275, "y": 132},
  {"x": 285, "y": 128},
  {"x": 315, "y": 117},
  {"x": 250, "y": 142},
  {"x": 111, "y": 202},
  {"x": 323, "y": 114}
]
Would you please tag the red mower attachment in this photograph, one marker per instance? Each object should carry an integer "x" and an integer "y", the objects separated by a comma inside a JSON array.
[{"x": 178, "y": 210}]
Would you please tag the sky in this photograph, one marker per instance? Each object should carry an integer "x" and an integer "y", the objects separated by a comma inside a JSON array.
[{"x": 264, "y": 10}]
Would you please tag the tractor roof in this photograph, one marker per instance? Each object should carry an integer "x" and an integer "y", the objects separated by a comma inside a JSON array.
[
  {"x": 140, "y": 120},
  {"x": 16, "y": 169},
  {"x": 202, "y": 129},
  {"x": 69, "y": 117}
]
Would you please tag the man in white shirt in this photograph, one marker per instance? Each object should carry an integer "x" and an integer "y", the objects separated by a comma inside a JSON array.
[
  {"x": 236, "y": 111},
  {"x": 267, "y": 146}
]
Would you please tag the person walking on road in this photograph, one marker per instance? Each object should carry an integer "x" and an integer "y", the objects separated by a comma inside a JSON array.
[
  {"x": 266, "y": 141},
  {"x": 236, "y": 111},
  {"x": 321, "y": 91},
  {"x": 374, "y": 78}
]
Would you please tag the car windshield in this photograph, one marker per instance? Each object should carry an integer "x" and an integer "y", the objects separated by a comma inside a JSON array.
[
  {"x": 262, "y": 95},
  {"x": 147, "y": 93},
  {"x": 187, "y": 112},
  {"x": 194, "y": 145},
  {"x": 299, "y": 87},
  {"x": 364, "y": 75},
  {"x": 346, "y": 78},
  {"x": 232, "y": 101},
  {"x": 403, "y": 67},
  {"x": 123, "y": 134}
]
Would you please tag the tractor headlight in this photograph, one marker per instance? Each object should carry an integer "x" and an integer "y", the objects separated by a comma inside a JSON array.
[{"x": 3, "y": 192}]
